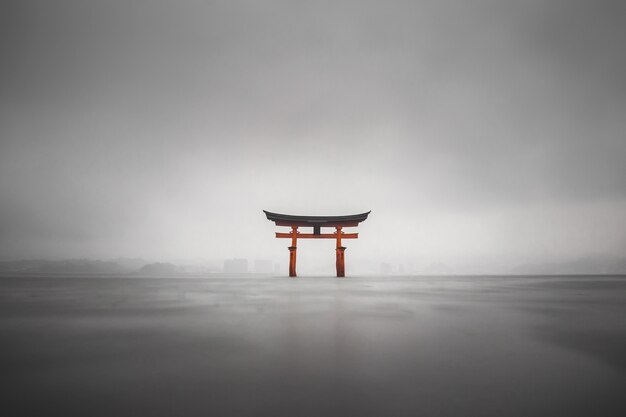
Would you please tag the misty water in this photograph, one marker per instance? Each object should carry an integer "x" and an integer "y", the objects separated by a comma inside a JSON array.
[{"x": 313, "y": 346}]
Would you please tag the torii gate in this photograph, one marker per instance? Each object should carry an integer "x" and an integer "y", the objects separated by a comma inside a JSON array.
[{"x": 317, "y": 222}]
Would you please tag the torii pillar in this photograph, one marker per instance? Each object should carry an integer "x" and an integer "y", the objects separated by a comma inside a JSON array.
[
  {"x": 292, "y": 252},
  {"x": 340, "y": 257}
]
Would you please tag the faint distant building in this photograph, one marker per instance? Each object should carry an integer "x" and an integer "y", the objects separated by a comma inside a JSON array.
[
  {"x": 236, "y": 266},
  {"x": 385, "y": 268},
  {"x": 277, "y": 268},
  {"x": 160, "y": 268},
  {"x": 263, "y": 266}
]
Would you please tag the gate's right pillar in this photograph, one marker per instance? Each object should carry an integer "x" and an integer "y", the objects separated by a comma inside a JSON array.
[
  {"x": 292, "y": 261},
  {"x": 339, "y": 253},
  {"x": 292, "y": 251}
]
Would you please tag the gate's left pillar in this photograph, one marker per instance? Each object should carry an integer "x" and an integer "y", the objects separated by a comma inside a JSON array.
[
  {"x": 292, "y": 261},
  {"x": 341, "y": 268}
]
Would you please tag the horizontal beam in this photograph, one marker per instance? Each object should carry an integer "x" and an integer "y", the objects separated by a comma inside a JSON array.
[
  {"x": 306, "y": 224},
  {"x": 320, "y": 236}
]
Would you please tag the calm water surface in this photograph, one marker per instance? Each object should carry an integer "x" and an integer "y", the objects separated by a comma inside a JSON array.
[{"x": 254, "y": 346}]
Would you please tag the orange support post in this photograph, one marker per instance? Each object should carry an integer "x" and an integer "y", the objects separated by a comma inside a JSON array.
[
  {"x": 292, "y": 252},
  {"x": 339, "y": 253}
]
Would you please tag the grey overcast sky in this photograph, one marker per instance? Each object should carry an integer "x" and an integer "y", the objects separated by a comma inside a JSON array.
[{"x": 479, "y": 133}]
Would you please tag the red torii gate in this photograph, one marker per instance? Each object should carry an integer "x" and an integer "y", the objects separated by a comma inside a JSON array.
[{"x": 317, "y": 222}]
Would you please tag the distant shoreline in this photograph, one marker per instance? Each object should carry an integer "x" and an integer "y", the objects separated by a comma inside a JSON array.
[{"x": 95, "y": 275}]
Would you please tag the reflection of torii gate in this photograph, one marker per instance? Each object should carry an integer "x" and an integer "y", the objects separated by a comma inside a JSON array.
[{"x": 317, "y": 222}]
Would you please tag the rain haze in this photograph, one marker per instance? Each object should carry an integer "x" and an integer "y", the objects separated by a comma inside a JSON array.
[
  {"x": 140, "y": 142},
  {"x": 483, "y": 135}
]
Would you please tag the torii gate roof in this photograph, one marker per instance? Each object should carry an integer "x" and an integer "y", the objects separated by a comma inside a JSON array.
[{"x": 313, "y": 221}]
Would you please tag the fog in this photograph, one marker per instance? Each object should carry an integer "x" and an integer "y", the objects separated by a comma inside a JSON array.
[{"x": 481, "y": 134}]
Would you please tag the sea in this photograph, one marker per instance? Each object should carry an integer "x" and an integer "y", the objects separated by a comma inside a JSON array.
[{"x": 96, "y": 345}]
